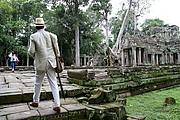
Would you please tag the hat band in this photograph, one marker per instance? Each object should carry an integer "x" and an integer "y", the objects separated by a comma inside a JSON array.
[{"x": 39, "y": 24}]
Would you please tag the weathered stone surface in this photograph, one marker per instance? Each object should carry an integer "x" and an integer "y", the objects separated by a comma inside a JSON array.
[
  {"x": 78, "y": 74},
  {"x": 82, "y": 99},
  {"x": 10, "y": 95},
  {"x": 13, "y": 109},
  {"x": 111, "y": 116},
  {"x": 109, "y": 96},
  {"x": 49, "y": 114},
  {"x": 72, "y": 91},
  {"x": 4, "y": 86},
  {"x": 76, "y": 111},
  {"x": 27, "y": 93},
  {"x": 2, "y": 79},
  {"x": 120, "y": 86},
  {"x": 98, "y": 109},
  {"x": 76, "y": 81},
  {"x": 117, "y": 108},
  {"x": 2, "y": 117},
  {"x": 2, "y": 69},
  {"x": 136, "y": 117},
  {"x": 16, "y": 85},
  {"x": 68, "y": 101},
  {"x": 97, "y": 97},
  {"x": 29, "y": 115},
  {"x": 12, "y": 79},
  {"x": 102, "y": 96},
  {"x": 29, "y": 84},
  {"x": 47, "y": 93}
]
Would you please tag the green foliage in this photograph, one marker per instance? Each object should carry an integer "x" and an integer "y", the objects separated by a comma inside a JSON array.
[
  {"x": 151, "y": 106},
  {"x": 15, "y": 19},
  {"x": 152, "y": 23}
]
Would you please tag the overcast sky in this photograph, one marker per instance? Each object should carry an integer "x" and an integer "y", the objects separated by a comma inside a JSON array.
[{"x": 166, "y": 10}]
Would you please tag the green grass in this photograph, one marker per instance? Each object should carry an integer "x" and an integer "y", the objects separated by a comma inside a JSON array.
[{"x": 151, "y": 106}]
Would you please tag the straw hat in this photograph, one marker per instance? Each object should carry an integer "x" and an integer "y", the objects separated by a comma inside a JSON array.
[{"x": 39, "y": 22}]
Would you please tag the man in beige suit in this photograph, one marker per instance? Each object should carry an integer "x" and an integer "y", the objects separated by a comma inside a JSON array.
[{"x": 41, "y": 50}]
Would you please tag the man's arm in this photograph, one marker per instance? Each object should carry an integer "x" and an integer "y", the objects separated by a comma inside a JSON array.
[{"x": 31, "y": 49}]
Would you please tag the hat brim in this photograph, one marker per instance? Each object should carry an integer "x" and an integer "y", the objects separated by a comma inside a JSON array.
[{"x": 39, "y": 24}]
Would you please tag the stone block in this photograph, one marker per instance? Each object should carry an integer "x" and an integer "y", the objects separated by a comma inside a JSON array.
[
  {"x": 2, "y": 80},
  {"x": 97, "y": 97},
  {"x": 76, "y": 111},
  {"x": 27, "y": 94},
  {"x": 49, "y": 114},
  {"x": 2, "y": 117},
  {"x": 4, "y": 86},
  {"x": 136, "y": 117},
  {"x": 68, "y": 101},
  {"x": 111, "y": 116},
  {"x": 12, "y": 79},
  {"x": 17, "y": 108},
  {"x": 29, "y": 84},
  {"x": 26, "y": 115},
  {"x": 16, "y": 85},
  {"x": 76, "y": 81},
  {"x": 46, "y": 93},
  {"x": 72, "y": 91},
  {"x": 78, "y": 74},
  {"x": 98, "y": 109},
  {"x": 10, "y": 95}
]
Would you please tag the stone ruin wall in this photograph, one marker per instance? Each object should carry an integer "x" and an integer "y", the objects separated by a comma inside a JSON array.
[{"x": 159, "y": 45}]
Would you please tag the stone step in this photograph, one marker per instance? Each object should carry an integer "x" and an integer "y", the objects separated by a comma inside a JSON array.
[
  {"x": 135, "y": 117},
  {"x": 139, "y": 82},
  {"x": 70, "y": 110},
  {"x": 15, "y": 95},
  {"x": 19, "y": 87},
  {"x": 120, "y": 86}
]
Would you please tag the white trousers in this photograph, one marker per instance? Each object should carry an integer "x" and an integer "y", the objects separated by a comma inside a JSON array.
[{"x": 51, "y": 75}]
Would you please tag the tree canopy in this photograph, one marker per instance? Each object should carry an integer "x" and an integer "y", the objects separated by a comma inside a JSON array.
[{"x": 78, "y": 30}]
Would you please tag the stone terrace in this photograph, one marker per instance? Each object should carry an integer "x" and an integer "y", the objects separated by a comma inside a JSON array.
[{"x": 16, "y": 90}]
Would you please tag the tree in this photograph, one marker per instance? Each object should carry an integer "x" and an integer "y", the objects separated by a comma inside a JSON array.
[
  {"x": 140, "y": 7},
  {"x": 102, "y": 9},
  {"x": 152, "y": 23},
  {"x": 74, "y": 9},
  {"x": 116, "y": 48},
  {"x": 15, "y": 19}
]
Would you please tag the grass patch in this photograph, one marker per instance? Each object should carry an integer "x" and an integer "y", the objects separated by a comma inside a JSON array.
[{"x": 151, "y": 106}]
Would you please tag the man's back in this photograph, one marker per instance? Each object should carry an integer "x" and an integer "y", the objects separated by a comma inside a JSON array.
[{"x": 41, "y": 49}]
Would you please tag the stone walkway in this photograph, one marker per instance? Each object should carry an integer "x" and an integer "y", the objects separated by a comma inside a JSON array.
[{"x": 16, "y": 90}]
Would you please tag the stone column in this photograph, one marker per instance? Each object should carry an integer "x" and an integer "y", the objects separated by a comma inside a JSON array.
[
  {"x": 122, "y": 57},
  {"x": 171, "y": 58},
  {"x": 153, "y": 59},
  {"x": 139, "y": 57},
  {"x": 85, "y": 63},
  {"x": 163, "y": 59},
  {"x": 134, "y": 56},
  {"x": 127, "y": 58},
  {"x": 145, "y": 56},
  {"x": 157, "y": 59},
  {"x": 178, "y": 57},
  {"x": 166, "y": 60}
]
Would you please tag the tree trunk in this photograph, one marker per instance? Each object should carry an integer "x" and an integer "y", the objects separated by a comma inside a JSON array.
[
  {"x": 135, "y": 21},
  {"x": 106, "y": 27},
  {"x": 77, "y": 44},
  {"x": 117, "y": 46}
]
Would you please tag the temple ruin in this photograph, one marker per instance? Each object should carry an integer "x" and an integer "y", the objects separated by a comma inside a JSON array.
[{"x": 158, "y": 46}]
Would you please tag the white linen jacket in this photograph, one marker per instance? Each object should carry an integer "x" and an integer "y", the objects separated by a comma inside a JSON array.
[{"x": 41, "y": 49}]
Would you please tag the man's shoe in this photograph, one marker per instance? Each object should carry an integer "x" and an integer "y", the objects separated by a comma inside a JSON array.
[
  {"x": 57, "y": 109},
  {"x": 33, "y": 104}
]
